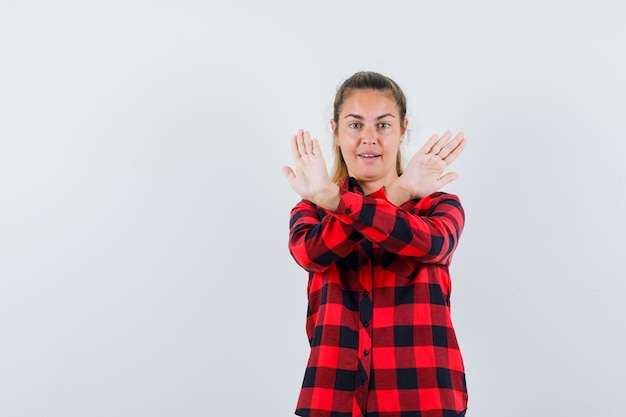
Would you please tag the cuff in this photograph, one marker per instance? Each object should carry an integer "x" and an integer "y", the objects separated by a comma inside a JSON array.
[{"x": 350, "y": 207}]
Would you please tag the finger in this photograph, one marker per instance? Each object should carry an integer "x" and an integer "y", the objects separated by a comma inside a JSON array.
[
  {"x": 429, "y": 144},
  {"x": 441, "y": 143},
  {"x": 451, "y": 145},
  {"x": 435, "y": 143},
  {"x": 300, "y": 142},
  {"x": 317, "y": 150},
  {"x": 308, "y": 144},
  {"x": 447, "y": 178},
  {"x": 456, "y": 151},
  {"x": 295, "y": 152},
  {"x": 288, "y": 173}
]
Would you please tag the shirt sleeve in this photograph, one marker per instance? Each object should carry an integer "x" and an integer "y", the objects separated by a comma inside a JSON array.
[
  {"x": 317, "y": 238},
  {"x": 428, "y": 229}
]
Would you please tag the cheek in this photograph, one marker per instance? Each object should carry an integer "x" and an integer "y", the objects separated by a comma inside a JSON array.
[
  {"x": 348, "y": 141},
  {"x": 347, "y": 133},
  {"x": 347, "y": 151}
]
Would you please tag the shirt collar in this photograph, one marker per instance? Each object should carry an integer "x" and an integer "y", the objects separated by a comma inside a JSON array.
[{"x": 351, "y": 184}]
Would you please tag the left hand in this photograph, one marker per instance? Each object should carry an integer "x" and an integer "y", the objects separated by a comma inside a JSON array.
[{"x": 424, "y": 173}]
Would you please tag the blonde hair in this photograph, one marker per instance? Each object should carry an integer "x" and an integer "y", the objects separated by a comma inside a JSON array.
[{"x": 364, "y": 80}]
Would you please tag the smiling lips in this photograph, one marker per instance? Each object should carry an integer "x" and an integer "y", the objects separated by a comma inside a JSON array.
[{"x": 369, "y": 155}]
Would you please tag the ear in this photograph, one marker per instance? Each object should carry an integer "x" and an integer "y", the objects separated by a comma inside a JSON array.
[
  {"x": 333, "y": 127},
  {"x": 405, "y": 126}
]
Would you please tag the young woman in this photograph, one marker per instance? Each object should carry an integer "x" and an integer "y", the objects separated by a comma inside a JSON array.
[{"x": 377, "y": 241}]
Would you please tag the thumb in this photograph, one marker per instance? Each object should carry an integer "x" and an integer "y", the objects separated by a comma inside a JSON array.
[
  {"x": 288, "y": 173},
  {"x": 448, "y": 178}
]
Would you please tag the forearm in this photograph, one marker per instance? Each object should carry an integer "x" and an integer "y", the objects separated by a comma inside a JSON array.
[
  {"x": 317, "y": 239},
  {"x": 428, "y": 229}
]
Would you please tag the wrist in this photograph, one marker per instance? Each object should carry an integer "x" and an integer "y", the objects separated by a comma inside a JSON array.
[
  {"x": 396, "y": 194},
  {"x": 329, "y": 197}
]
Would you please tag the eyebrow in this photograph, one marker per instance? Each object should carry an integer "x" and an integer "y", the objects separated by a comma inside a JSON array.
[{"x": 359, "y": 117}]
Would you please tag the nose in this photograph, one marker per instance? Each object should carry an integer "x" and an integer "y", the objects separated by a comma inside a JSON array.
[{"x": 369, "y": 136}]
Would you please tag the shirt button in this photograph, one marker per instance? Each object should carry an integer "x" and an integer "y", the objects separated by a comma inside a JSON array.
[
  {"x": 348, "y": 211},
  {"x": 366, "y": 293},
  {"x": 366, "y": 352},
  {"x": 366, "y": 323}
]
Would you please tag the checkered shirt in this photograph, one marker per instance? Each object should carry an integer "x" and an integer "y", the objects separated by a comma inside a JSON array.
[{"x": 378, "y": 319}]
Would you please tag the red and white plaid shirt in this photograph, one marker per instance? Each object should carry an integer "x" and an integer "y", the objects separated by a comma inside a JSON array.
[{"x": 378, "y": 319}]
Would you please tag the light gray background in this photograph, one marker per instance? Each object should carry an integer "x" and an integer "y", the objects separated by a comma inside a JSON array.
[{"x": 144, "y": 268}]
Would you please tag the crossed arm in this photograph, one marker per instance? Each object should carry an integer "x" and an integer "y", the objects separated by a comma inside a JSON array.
[{"x": 427, "y": 230}]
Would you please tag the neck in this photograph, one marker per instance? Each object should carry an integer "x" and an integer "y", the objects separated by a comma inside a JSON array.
[{"x": 371, "y": 185}]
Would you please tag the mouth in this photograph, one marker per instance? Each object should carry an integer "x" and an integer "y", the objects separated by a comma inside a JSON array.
[{"x": 369, "y": 155}]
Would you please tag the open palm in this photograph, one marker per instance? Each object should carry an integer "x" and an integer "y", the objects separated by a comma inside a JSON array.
[
  {"x": 310, "y": 177},
  {"x": 425, "y": 172}
]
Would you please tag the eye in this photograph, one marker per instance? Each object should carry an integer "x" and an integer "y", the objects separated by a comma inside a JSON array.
[
  {"x": 354, "y": 125},
  {"x": 384, "y": 125}
]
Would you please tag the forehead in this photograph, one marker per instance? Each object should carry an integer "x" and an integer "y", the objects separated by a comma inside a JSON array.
[{"x": 369, "y": 103}]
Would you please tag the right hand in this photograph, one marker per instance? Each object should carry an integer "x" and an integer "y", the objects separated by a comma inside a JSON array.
[{"x": 310, "y": 178}]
